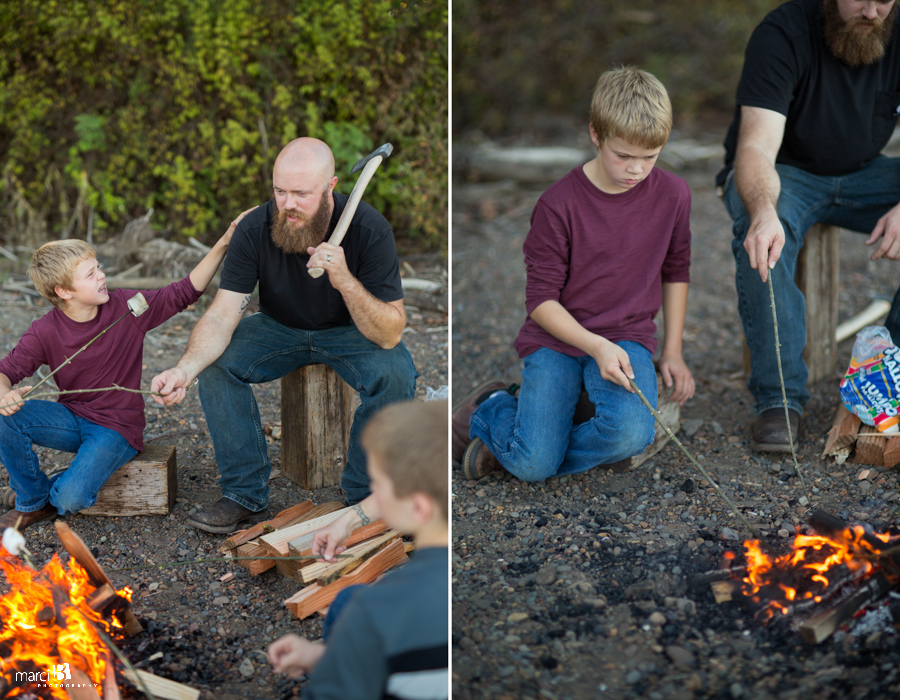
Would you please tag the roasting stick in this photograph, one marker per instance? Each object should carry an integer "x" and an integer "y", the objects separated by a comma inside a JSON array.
[
  {"x": 693, "y": 461},
  {"x": 787, "y": 415}
]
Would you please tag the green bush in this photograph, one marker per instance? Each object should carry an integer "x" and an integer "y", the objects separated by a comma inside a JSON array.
[
  {"x": 519, "y": 57},
  {"x": 183, "y": 105}
]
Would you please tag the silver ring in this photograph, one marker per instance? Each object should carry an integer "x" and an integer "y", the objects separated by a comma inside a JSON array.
[{"x": 327, "y": 258}]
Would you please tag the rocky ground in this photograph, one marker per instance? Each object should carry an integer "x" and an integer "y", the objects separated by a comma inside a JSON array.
[
  {"x": 579, "y": 587},
  {"x": 209, "y": 635}
]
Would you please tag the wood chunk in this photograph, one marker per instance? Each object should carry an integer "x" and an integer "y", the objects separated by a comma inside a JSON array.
[
  {"x": 162, "y": 687},
  {"x": 870, "y": 450},
  {"x": 315, "y": 597},
  {"x": 147, "y": 485},
  {"x": 102, "y": 597},
  {"x": 79, "y": 551},
  {"x": 821, "y": 626},
  {"x": 255, "y": 548},
  {"x": 277, "y": 542},
  {"x": 287, "y": 517},
  {"x": 723, "y": 591},
  {"x": 316, "y": 415},
  {"x": 843, "y": 431},
  {"x": 302, "y": 546},
  {"x": 891, "y": 453},
  {"x": 324, "y": 573}
]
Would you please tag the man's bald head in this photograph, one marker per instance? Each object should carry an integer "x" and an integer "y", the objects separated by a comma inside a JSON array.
[{"x": 305, "y": 157}]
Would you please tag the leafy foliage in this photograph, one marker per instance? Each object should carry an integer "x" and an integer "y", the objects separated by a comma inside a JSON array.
[
  {"x": 183, "y": 105},
  {"x": 520, "y": 56}
]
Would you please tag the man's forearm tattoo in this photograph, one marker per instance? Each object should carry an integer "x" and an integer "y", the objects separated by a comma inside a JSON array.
[
  {"x": 363, "y": 518},
  {"x": 246, "y": 302}
]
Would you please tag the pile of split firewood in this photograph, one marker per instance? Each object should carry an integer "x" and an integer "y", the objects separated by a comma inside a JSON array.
[
  {"x": 371, "y": 550},
  {"x": 850, "y": 438}
]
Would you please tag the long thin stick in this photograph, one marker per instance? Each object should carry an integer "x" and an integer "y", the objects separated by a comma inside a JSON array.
[
  {"x": 205, "y": 561},
  {"x": 787, "y": 415},
  {"x": 69, "y": 359},
  {"x": 114, "y": 387},
  {"x": 693, "y": 461}
]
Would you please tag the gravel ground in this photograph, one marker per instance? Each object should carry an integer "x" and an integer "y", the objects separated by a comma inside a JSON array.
[
  {"x": 578, "y": 587},
  {"x": 213, "y": 636}
]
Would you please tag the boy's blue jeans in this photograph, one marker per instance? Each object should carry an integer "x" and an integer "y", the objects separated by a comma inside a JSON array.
[
  {"x": 854, "y": 202},
  {"x": 262, "y": 350},
  {"x": 533, "y": 437},
  {"x": 99, "y": 452}
]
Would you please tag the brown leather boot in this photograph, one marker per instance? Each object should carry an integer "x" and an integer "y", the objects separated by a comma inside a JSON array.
[
  {"x": 11, "y": 517},
  {"x": 478, "y": 460},
  {"x": 770, "y": 432},
  {"x": 462, "y": 413}
]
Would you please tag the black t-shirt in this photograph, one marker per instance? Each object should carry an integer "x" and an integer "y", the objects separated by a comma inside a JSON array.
[
  {"x": 287, "y": 293},
  {"x": 838, "y": 117}
]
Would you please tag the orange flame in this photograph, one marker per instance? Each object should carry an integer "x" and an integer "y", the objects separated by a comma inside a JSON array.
[
  {"x": 30, "y": 645},
  {"x": 809, "y": 565}
]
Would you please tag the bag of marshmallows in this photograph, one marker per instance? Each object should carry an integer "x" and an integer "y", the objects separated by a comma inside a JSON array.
[{"x": 871, "y": 386}]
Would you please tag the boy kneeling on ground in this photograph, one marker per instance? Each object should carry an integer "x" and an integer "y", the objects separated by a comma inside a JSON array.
[
  {"x": 608, "y": 244},
  {"x": 389, "y": 639}
]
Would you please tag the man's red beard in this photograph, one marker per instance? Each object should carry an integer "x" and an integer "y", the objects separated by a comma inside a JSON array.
[
  {"x": 858, "y": 42},
  {"x": 306, "y": 232}
]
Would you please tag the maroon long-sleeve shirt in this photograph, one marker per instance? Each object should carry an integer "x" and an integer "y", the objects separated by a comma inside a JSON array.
[
  {"x": 115, "y": 358},
  {"x": 604, "y": 257}
]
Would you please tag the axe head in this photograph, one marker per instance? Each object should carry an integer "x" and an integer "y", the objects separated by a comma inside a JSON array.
[{"x": 384, "y": 151}]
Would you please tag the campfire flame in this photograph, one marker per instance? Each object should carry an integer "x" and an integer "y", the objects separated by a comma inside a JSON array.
[
  {"x": 45, "y": 620},
  {"x": 814, "y": 565}
]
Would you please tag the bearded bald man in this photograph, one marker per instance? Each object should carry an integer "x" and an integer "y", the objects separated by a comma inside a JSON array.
[
  {"x": 350, "y": 319},
  {"x": 818, "y": 99}
]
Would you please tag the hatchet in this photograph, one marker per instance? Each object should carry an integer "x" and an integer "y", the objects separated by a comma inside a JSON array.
[{"x": 368, "y": 165}]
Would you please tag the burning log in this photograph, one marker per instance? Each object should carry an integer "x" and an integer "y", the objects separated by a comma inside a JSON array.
[
  {"x": 866, "y": 544},
  {"x": 79, "y": 551},
  {"x": 819, "y": 627}
]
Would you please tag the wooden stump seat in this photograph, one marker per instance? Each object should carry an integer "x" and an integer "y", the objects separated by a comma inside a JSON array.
[
  {"x": 147, "y": 485},
  {"x": 316, "y": 414}
]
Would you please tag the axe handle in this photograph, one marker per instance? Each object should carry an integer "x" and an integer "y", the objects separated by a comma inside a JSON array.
[{"x": 350, "y": 208}]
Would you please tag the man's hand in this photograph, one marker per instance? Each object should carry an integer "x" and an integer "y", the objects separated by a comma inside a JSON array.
[
  {"x": 888, "y": 229},
  {"x": 294, "y": 655},
  {"x": 614, "y": 364},
  {"x": 331, "y": 259},
  {"x": 172, "y": 384},
  {"x": 329, "y": 540},
  {"x": 675, "y": 372},
  {"x": 12, "y": 400},
  {"x": 764, "y": 242}
]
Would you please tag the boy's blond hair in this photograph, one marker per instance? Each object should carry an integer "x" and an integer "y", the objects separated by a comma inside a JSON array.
[
  {"x": 632, "y": 105},
  {"x": 409, "y": 439},
  {"x": 53, "y": 265}
]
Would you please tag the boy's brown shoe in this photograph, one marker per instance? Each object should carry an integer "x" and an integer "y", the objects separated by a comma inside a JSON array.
[
  {"x": 770, "y": 433},
  {"x": 462, "y": 413},
  {"x": 478, "y": 460},
  {"x": 11, "y": 517}
]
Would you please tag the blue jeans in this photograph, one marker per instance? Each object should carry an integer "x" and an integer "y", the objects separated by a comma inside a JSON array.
[
  {"x": 99, "y": 452},
  {"x": 533, "y": 436},
  {"x": 262, "y": 350},
  {"x": 854, "y": 202}
]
